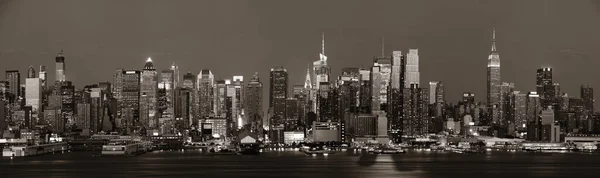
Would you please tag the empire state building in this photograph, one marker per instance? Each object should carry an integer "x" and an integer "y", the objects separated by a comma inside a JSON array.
[{"x": 493, "y": 74}]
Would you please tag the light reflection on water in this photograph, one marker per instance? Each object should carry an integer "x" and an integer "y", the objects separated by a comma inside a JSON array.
[{"x": 276, "y": 163}]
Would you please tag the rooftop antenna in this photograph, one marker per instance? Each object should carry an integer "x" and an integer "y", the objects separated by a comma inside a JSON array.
[
  {"x": 323, "y": 43},
  {"x": 382, "y": 46}
]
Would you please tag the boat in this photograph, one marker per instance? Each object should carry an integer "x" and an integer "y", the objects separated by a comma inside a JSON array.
[
  {"x": 126, "y": 148},
  {"x": 318, "y": 150},
  {"x": 387, "y": 150},
  {"x": 249, "y": 149}
]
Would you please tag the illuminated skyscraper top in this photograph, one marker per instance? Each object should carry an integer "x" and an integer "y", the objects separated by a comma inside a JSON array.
[
  {"x": 320, "y": 68},
  {"x": 412, "y": 74},
  {"x": 307, "y": 82},
  {"x": 60, "y": 67}
]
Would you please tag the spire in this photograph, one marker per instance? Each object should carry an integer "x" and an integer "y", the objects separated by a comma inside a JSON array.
[
  {"x": 149, "y": 60},
  {"x": 307, "y": 82},
  {"x": 382, "y": 46},
  {"x": 494, "y": 39},
  {"x": 323, "y": 43}
]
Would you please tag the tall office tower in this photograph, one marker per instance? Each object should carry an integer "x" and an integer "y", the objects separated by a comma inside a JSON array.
[
  {"x": 166, "y": 84},
  {"x": 533, "y": 111},
  {"x": 220, "y": 96},
  {"x": 348, "y": 87},
  {"x": 519, "y": 103},
  {"x": 325, "y": 102},
  {"x": 365, "y": 89},
  {"x": 277, "y": 94},
  {"x": 376, "y": 88},
  {"x": 436, "y": 105},
  {"x": 493, "y": 79},
  {"x": 14, "y": 84},
  {"x": 96, "y": 109},
  {"x": 237, "y": 100},
  {"x": 33, "y": 93},
  {"x": 148, "y": 93},
  {"x": 60, "y": 67},
  {"x": 206, "y": 82},
  {"x": 4, "y": 91},
  {"x": 175, "y": 69},
  {"x": 292, "y": 114},
  {"x": 54, "y": 117},
  {"x": 310, "y": 92},
  {"x": 432, "y": 90},
  {"x": 67, "y": 94},
  {"x": 577, "y": 119},
  {"x": 587, "y": 95},
  {"x": 301, "y": 95},
  {"x": 254, "y": 112},
  {"x": 396, "y": 97},
  {"x": 117, "y": 88},
  {"x": 83, "y": 115},
  {"x": 320, "y": 68},
  {"x": 183, "y": 107},
  {"x": 506, "y": 91},
  {"x": 130, "y": 98},
  {"x": 416, "y": 119},
  {"x": 549, "y": 131},
  {"x": 385, "y": 72},
  {"x": 106, "y": 88},
  {"x": 43, "y": 75},
  {"x": 412, "y": 68},
  {"x": 545, "y": 87}
]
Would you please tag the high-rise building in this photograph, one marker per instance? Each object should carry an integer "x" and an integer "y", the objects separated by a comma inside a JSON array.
[
  {"x": 310, "y": 92},
  {"x": 533, "y": 111},
  {"x": 14, "y": 84},
  {"x": 432, "y": 90},
  {"x": 148, "y": 95},
  {"x": 587, "y": 95},
  {"x": 31, "y": 72},
  {"x": 237, "y": 100},
  {"x": 375, "y": 77},
  {"x": 519, "y": 110},
  {"x": 4, "y": 91},
  {"x": 506, "y": 91},
  {"x": 175, "y": 69},
  {"x": 416, "y": 119},
  {"x": 548, "y": 128},
  {"x": 43, "y": 75},
  {"x": 60, "y": 67},
  {"x": 96, "y": 109},
  {"x": 83, "y": 115},
  {"x": 130, "y": 97},
  {"x": 33, "y": 93},
  {"x": 166, "y": 84},
  {"x": 412, "y": 68},
  {"x": 493, "y": 78},
  {"x": 220, "y": 96},
  {"x": 55, "y": 119},
  {"x": 437, "y": 106},
  {"x": 395, "y": 110},
  {"x": 278, "y": 89},
  {"x": 206, "y": 82},
  {"x": 117, "y": 88},
  {"x": 183, "y": 106},
  {"x": 321, "y": 70},
  {"x": 189, "y": 81},
  {"x": 545, "y": 87},
  {"x": 67, "y": 97},
  {"x": 365, "y": 89},
  {"x": 384, "y": 65},
  {"x": 254, "y": 112}
]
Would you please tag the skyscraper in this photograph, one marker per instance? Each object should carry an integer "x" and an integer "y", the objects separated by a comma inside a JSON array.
[
  {"x": 175, "y": 69},
  {"x": 432, "y": 91},
  {"x": 395, "y": 109},
  {"x": 278, "y": 89},
  {"x": 320, "y": 68},
  {"x": 67, "y": 95},
  {"x": 412, "y": 68},
  {"x": 533, "y": 111},
  {"x": 254, "y": 104},
  {"x": 365, "y": 89},
  {"x": 130, "y": 97},
  {"x": 493, "y": 74},
  {"x": 545, "y": 87},
  {"x": 166, "y": 83},
  {"x": 206, "y": 82},
  {"x": 33, "y": 92},
  {"x": 96, "y": 110},
  {"x": 375, "y": 77},
  {"x": 14, "y": 84},
  {"x": 587, "y": 95},
  {"x": 416, "y": 119},
  {"x": 148, "y": 95},
  {"x": 237, "y": 100},
  {"x": 117, "y": 88},
  {"x": 519, "y": 103},
  {"x": 83, "y": 115},
  {"x": 43, "y": 76},
  {"x": 60, "y": 67},
  {"x": 220, "y": 96}
]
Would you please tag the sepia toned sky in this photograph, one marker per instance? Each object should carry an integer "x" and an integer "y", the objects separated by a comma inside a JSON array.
[{"x": 240, "y": 37}]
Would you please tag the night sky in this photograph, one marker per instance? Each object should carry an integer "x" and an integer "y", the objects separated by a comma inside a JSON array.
[{"x": 237, "y": 37}]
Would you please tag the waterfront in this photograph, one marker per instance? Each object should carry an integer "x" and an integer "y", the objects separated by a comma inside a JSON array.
[{"x": 296, "y": 164}]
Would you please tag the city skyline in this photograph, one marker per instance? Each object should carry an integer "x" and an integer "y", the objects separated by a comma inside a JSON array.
[{"x": 343, "y": 40}]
